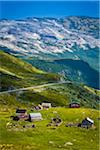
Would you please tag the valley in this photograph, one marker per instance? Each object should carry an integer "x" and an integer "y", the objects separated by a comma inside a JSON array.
[
  {"x": 40, "y": 40},
  {"x": 75, "y": 70}
]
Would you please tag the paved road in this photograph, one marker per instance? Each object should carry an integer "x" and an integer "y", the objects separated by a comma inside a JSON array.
[{"x": 33, "y": 87}]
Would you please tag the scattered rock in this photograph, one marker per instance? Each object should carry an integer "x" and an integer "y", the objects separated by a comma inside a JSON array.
[
  {"x": 54, "y": 112},
  {"x": 68, "y": 143},
  {"x": 93, "y": 127},
  {"x": 59, "y": 146},
  {"x": 77, "y": 119},
  {"x": 6, "y": 146},
  {"x": 51, "y": 142},
  {"x": 91, "y": 140}
]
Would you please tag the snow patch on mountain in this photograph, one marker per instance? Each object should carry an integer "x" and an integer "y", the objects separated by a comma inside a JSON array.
[{"x": 49, "y": 35}]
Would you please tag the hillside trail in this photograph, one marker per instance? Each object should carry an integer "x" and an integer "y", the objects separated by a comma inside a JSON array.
[{"x": 33, "y": 87}]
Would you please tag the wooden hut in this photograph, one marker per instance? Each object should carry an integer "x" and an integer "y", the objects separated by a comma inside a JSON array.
[
  {"x": 87, "y": 123},
  {"x": 46, "y": 105},
  {"x": 74, "y": 105},
  {"x": 21, "y": 113},
  {"x": 35, "y": 116}
]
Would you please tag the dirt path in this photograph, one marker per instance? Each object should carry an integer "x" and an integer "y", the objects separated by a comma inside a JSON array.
[{"x": 33, "y": 87}]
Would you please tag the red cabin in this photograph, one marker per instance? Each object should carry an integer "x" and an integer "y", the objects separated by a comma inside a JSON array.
[
  {"x": 21, "y": 113},
  {"x": 74, "y": 105}
]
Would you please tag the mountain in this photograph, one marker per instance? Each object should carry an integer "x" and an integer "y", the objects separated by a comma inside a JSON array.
[
  {"x": 47, "y": 39},
  {"x": 77, "y": 70}
]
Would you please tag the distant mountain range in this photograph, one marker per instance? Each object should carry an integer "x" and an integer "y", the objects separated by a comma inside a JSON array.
[{"x": 50, "y": 39}]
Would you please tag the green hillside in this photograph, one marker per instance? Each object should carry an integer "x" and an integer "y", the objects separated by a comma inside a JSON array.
[
  {"x": 61, "y": 95},
  {"x": 13, "y": 136},
  {"x": 16, "y": 73},
  {"x": 70, "y": 68}
]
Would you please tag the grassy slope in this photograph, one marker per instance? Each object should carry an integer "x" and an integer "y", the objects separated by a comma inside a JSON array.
[
  {"x": 43, "y": 137},
  {"x": 17, "y": 73},
  {"x": 62, "y": 95},
  {"x": 47, "y": 138},
  {"x": 15, "y": 138}
]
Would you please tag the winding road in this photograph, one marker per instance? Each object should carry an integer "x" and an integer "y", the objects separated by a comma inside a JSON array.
[{"x": 34, "y": 87}]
